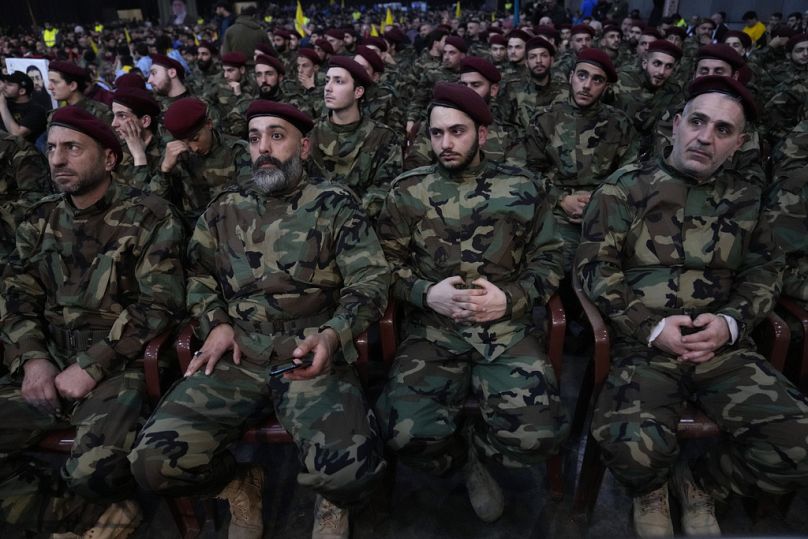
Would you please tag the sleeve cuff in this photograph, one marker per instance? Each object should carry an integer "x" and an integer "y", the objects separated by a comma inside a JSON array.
[
  {"x": 210, "y": 320},
  {"x": 418, "y": 292},
  {"x": 343, "y": 330},
  {"x": 517, "y": 302}
]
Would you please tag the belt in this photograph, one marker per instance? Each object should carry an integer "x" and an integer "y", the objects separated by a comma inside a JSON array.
[
  {"x": 288, "y": 326},
  {"x": 74, "y": 341}
]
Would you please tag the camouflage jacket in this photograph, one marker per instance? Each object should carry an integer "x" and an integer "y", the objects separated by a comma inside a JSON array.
[
  {"x": 365, "y": 156},
  {"x": 644, "y": 104},
  {"x": 409, "y": 78},
  {"x": 113, "y": 268},
  {"x": 200, "y": 81},
  {"x": 234, "y": 121},
  {"x": 221, "y": 95},
  {"x": 564, "y": 64},
  {"x": 197, "y": 179},
  {"x": 788, "y": 105},
  {"x": 96, "y": 108},
  {"x": 309, "y": 100},
  {"x": 381, "y": 103},
  {"x": 497, "y": 148},
  {"x": 422, "y": 93},
  {"x": 513, "y": 72},
  {"x": 522, "y": 98},
  {"x": 491, "y": 221},
  {"x": 655, "y": 243},
  {"x": 307, "y": 254},
  {"x": 140, "y": 177}
]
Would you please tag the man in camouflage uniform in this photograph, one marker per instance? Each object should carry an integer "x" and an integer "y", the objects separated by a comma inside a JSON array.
[
  {"x": 305, "y": 91},
  {"x": 269, "y": 75},
  {"x": 277, "y": 268},
  {"x": 514, "y": 69},
  {"x": 675, "y": 255},
  {"x": 610, "y": 43},
  {"x": 430, "y": 59},
  {"x": 647, "y": 35},
  {"x": 167, "y": 79},
  {"x": 477, "y": 47},
  {"x": 95, "y": 275},
  {"x": 498, "y": 50},
  {"x": 135, "y": 120},
  {"x": 380, "y": 102},
  {"x": 24, "y": 179},
  {"x": 207, "y": 69},
  {"x": 578, "y": 143},
  {"x": 473, "y": 248},
  {"x": 67, "y": 82},
  {"x": 349, "y": 148},
  {"x": 789, "y": 103},
  {"x": 580, "y": 39},
  {"x": 232, "y": 85},
  {"x": 200, "y": 162}
]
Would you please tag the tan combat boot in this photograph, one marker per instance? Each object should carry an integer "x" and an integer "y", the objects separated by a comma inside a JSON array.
[
  {"x": 119, "y": 521},
  {"x": 652, "y": 514},
  {"x": 244, "y": 493},
  {"x": 485, "y": 494},
  {"x": 330, "y": 521},
  {"x": 698, "y": 507}
]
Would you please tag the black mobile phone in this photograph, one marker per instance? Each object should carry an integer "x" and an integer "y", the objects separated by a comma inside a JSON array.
[{"x": 280, "y": 368}]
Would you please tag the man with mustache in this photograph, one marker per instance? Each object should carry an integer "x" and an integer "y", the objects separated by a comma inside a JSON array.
[
  {"x": 278, "y": 267},
  {"x": 579, "y": 142},
  {"x": 473, "y": 247},
  {"x": 677, "y": 255},
  {"x": 96, "y": 274},
  {"x": 269, "y": 73},
  {"x": 208, "y": 68}
]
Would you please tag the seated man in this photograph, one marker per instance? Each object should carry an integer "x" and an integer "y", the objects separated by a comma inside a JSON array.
[
  {"x": 473, "y": 248},
  {"x": 675, "y": 254},
  {"x": 95, "y": 275},
  {"x": 278, "y": 268}
]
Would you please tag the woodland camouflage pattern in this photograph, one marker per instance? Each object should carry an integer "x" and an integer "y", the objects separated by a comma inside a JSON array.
[{"x": 140, "y": 177}]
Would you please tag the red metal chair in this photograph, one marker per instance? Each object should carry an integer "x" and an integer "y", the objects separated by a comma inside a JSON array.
[{"x": 797, "y": 368}]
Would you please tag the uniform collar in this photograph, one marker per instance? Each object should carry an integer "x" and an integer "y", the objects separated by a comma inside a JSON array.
[
  {"x": 468, "y": 173},
  {"x": 102, "y": 205}
]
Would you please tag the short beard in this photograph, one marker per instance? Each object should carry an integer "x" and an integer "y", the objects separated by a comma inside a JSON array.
[
  {"x": 266, "y": 92},
  {"x": 467, "y": 159},
  {"x": 85, "y": 184},
  {"x": 274, "y": 180},
  {"x": 204, "y": 65}
]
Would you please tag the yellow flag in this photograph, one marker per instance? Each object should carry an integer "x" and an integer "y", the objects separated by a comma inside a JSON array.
[
  {"x": 300, "y": 20},
  {"x": 457, "y": 10},
  {"x": 99, "y": 28},
  {"x": 126, "y": 33},
  {"x": 388, "y": 20},
  {"x": 493, "y": 16},
  {"x": 373, "y": 31},
  {"x": 93, "y": 45}
]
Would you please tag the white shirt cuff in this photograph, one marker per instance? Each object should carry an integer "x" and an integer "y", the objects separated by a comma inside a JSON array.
[
  {"x": 655, "y": 332},
  {"x": 733, "y": 328}
]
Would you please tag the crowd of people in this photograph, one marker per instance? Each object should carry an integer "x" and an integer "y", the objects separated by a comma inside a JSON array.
[{"x": 279, "y": 182}]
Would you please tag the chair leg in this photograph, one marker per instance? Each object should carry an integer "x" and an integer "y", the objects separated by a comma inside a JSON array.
[
  {"x": 555, "y": 477},
  {"x": 185, "y": 517},
  {"x": 589, "y": 481},
  {"x": 582, "y": 404}
]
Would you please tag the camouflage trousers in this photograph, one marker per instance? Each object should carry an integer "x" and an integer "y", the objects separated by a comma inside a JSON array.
[
  {"x": 571, "y": 234},
  {"x": 185, "y": 446},
  {"x": 763, "y": 418},
  {"x": 522, "y": 421},
  {"x": 35, "y": 495}
]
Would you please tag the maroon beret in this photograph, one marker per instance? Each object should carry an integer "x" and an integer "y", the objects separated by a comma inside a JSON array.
[
  {"x": 266, "y": 48},
  {"x": 724, "y": 85},
  {"x": 377, "y": 42},
  {"x": 348, "y": 30},
  {"x": 612, "y": 28},
  {"x": 793, "y": 40},
  {"x": 676, "y": 31},
  {"x": 600, "y": 59},
  {"x": 481, "y": 66},
  {"x": 271, "y": 61},
  {"x": 349, "y": 64},
  {"x": 518, "y": 34},
  {"x": 70, "y": 69},
  {"x": 234, "y": 59},
  {"x": 540, "y": 43},
  {"x": 496, "y": 39},
  {"x": 462, "y": 98},
  {"x": 457, "y": 42},
  {"x": 372, "y": 58},
  {"x": 208, "y": 45},
  {"x": 130, "y": 80},
  {"x": 651, "y": 31},
  {"x": 495, "y": 30},
  {"x": 325, "y": 45},
  {"x": 169, "y": 63},
  {"x": 138, "y": 100},
  {"x": 311, "y": 54},
  {"x": 745, "y": 75},
  {"x": 746, "y": 41},
  {"x": 185, "y": 117},
  {"x": 336, "y": 34},
  {"x": 78, "y": 119},
  {"x": 582, "y": 29},
  {"x": 282, "y": 33},
  {"x": 721, "y": 52},
  {"x": 265, "y": 107},
  {"x": 394, "y": 35},
  {"x": 666, "y": 47},
  {"x": 547, "y": 31}
]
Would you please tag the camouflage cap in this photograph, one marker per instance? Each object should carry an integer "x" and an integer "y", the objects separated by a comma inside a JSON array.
[
  {"x": 265, "y": 107},
  {"x": 78, "y": 119},
  {"x": 462, "y": 98},
  {"x": 727, "y": 86},
  {"x": 185, "y": 117}
]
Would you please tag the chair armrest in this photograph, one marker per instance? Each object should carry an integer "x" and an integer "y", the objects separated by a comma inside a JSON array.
[
  {"x": 600, "y": 330},
  {"x": 185, "y": 345},
  {"x": 555, "y": 338},
  {"x": 363, "y": 355},
  {"x": 797, "y": 311},
  {"x": 151, "y": 364},
  {"x": 776, "y": 338},
  {"x": 387, "y": 332}
]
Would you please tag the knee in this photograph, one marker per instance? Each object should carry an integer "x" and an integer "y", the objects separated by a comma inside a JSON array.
[
  {"x": 645, "y": 445},
  {"x": 99, "y": 475},
  {"x": 155, "y": 461}
]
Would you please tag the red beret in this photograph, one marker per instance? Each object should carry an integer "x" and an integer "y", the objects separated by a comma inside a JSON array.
[
  {"x": 481, "y": 66},
  {"x": 70, "y": 69},
  {"x": 518, "y": 34},
  {"x": 600, "y": 59},
  {"x": 267, "y": 49},
  {"x": 745, "y": 75},
  {"x": 547, "y": 31},
  {"x": 138, "y": 100},
  {"x": 357, "y": 71},
  {"x": 676, "y": 31},
  {"x": 311, "y": 54},
  {"x": 234, "y": 59},
  {"x": 651, "y": 31},
  {"x": 496, "y": 39},
  {"x": 372, "y": 58},
  {"x": 540, "y": 43},
  {"x": 185, "y": 117},
  {"x": 130, "y": 80},
  {"x": 457, "y": 42},
  {"x": 282, "y": 33},
  {"x": 336, "y": 34},
  {"x": 612, "y": 28},
  {"x": 394, "y": 35},
  {"x": 666, "y": 47},
  {"x": 462, "y": 98},
  {"x": 264, "y": 107},
  {"x": 377, "y": 42},
  {"x": 582, "y": 29},
  {"x": 78, "y": 119},
  {"x": 325, "y": 45},
  {"x": 169, "y": 63},
  {"x": 721, "y": 52},
  {"x": 271, "y": 61},
  {"x": 724, "y": 85},
  {"x": 746, "y": 41},
  {"x": 793, "y": 40},
  {"x": 208, "y": 45}
]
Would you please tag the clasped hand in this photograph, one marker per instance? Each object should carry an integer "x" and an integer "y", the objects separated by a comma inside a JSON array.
[{"x": 484, "y": 303}]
